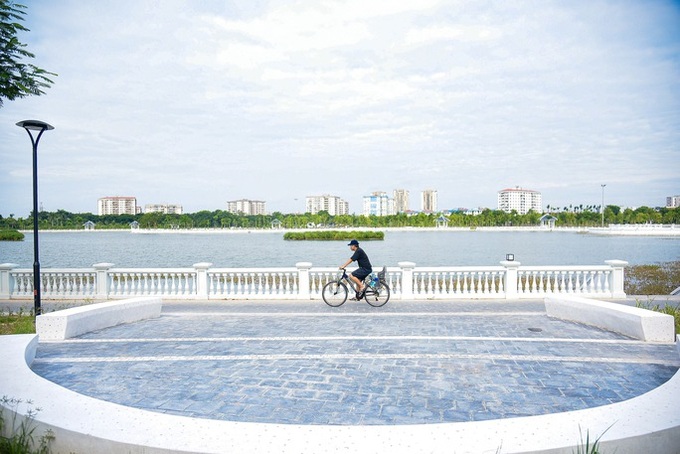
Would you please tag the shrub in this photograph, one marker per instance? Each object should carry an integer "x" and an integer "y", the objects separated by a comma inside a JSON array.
[
  {"x": 660, "y": 279},
  {"x": 11, "y": 235},
  {"x": 334, "y": 235}
]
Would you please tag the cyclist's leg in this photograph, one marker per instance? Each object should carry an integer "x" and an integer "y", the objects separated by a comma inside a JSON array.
[{"x": 358, "y": 277}]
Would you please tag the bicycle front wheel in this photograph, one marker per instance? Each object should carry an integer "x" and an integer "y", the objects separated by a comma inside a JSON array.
[
  {"x": 378, "y": 295},
  {"x": 334, "y": 293}
]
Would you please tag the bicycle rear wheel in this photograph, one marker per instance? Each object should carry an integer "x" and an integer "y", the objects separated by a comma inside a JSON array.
[
  {"x": 377, "y": 296},
  {"x": 334, "y": 293}
]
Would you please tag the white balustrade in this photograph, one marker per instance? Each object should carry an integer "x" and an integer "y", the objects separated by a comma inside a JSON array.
[
  {"x": 585, "y": 281},
  {"x": 458, "y": 282},
  {"x": 130, "y": 282},
  {"x": 509, "y": 281},
  {"x": 253, "y": 283}
]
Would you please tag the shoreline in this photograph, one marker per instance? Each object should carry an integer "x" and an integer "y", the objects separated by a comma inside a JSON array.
[{"x": 618, "y": 230}]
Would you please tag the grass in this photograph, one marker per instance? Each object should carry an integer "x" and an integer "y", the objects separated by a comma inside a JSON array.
[
  {"x": 589, "y": 446},
  {"x": 17, "y": 323},
  {"x": 20, "y": 437}
]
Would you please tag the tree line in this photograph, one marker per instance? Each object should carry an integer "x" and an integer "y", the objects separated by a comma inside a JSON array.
[{"x": 218, "y": 219}]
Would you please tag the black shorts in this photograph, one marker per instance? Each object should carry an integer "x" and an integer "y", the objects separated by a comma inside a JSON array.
[{"x": 361, "y": 273}]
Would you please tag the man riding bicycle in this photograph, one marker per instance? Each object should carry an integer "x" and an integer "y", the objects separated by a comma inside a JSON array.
[{"x": 364, "y": 269}]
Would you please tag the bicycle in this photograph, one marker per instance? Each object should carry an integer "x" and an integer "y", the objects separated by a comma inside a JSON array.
[{"x": 376, "y": 291}]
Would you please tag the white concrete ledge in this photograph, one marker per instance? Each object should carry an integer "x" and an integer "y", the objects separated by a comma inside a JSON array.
[
  {"x": 647, "y": 325},
  {"x": 647, "y": 423},
  {"x": 73, "y": 322}
]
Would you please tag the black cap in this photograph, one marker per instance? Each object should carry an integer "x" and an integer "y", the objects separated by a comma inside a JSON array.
[{"x": 353, "y": 243}]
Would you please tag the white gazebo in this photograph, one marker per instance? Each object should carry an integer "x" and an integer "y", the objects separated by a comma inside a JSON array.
[
  {"x": 442, "y": 222},
  {"x": 548, "y": 221},
  {"x": 89, "y": 225}
]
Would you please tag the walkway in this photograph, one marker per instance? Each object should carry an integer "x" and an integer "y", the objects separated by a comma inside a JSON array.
[{"x": 405, "y": 363}]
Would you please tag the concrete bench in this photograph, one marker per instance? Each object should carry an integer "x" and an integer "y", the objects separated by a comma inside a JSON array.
[
  {"x": 60, "y": 325},
  {"x": 642, "y": 324}
]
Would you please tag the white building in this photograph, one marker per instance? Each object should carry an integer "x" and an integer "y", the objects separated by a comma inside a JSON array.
[
  {"x": 247, "y": 207},
  {"x": 520, "y": 200},
  {"x": 163, "y": 208},
  {"x": 117, "y": 205},
  {"x": 332, "y": 204},
  {"x": 673, "y": 201},
  {"x": 428, "y": 201},
  {"x": 401, "y": 201},
  {"x": 378, "y": 204}
]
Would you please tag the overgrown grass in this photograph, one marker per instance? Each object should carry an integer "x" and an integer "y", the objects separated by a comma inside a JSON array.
[
  {"x": 659, "y": 279},
  {"x": 11, "y": 235},
  {"x": 17, "y": 323},
  {"x": 334, "y": 235},
  {"x": 20, "y": 434}
]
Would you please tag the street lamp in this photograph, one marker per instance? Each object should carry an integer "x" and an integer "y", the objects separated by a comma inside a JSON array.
[
  {"x": 35, "y": 125},
  {"x": 602, "y": 206}
]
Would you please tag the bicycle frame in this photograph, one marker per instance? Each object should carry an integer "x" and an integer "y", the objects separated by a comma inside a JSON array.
[{"x": 351, "y": 283}]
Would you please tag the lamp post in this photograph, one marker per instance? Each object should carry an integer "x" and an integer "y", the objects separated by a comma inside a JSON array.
[
  {"x": 41, "y": 126},
  {"x": 602, "y": 206}
]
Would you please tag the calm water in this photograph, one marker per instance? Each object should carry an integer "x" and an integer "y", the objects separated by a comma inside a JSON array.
[{"x": 268, "y": 249}]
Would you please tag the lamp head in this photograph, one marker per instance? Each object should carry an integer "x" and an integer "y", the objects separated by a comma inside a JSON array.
[{"x": 35, "y": 125}]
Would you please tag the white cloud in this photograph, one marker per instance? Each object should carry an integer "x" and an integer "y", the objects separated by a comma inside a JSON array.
[{"x": 201, "y": 102}]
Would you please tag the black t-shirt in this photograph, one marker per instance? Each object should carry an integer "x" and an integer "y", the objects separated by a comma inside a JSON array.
[{"x": 362, "y": 259}]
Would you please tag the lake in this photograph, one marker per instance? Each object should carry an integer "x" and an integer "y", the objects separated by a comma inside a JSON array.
[{"x": 268, "y": 249}]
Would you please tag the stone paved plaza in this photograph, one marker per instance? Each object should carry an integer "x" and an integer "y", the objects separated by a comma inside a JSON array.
[{"x": 404, "y": 363}]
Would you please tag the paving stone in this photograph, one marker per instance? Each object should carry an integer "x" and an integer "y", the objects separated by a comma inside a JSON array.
[{"x": 405, "y": 363}]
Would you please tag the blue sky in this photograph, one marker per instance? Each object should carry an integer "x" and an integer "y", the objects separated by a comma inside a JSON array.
[{"x": 198, "y": 103}]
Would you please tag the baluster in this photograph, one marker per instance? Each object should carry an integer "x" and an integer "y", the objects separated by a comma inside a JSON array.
[
  {"x": 218, "y": 283},
  {"x": 570, "y": 288}
]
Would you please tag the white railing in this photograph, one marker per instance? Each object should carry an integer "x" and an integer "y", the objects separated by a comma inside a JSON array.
[{"x": 509, "y": 280}]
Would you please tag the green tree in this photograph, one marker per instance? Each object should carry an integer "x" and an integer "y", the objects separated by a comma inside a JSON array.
[{"x": 17, "y": 78}]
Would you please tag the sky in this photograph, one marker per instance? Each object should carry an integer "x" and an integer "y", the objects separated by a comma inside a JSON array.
[{"x": 201, "y": 102}]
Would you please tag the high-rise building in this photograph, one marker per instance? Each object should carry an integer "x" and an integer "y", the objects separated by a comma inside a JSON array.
[
  {"x": 163, "y": 208},
  {"x": 247, "y": 207},
  {"x": 117, "y": 205},
  {"x": 520, "y": 200},
  {"x": 673, "y": 201},
  {"x": 332, "y": 204},
  {"x": 401, "y": 201},
  {"x": 378, "y": 204},
  {"x": 428, "y": 201}
]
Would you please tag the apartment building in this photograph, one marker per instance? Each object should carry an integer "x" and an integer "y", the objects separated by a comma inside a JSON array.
[
  {"x": 332, "y": 204},
  {"x": 520, "y": 200},
  {"x": 428, "y": 201},
  {"x": 378, "y": 204},
  {"x": 163, "y": 208},
  {"x": 117, "y": 205},
  {"x": 247, "y": 207},
  {"x": 400, "y": 201},
  {"x": 673, "y": 201}
]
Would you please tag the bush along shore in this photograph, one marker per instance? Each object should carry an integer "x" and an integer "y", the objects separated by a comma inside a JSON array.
[
  {"x": 11, "y": 235},
  {"x": 334, "y": 235}
]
